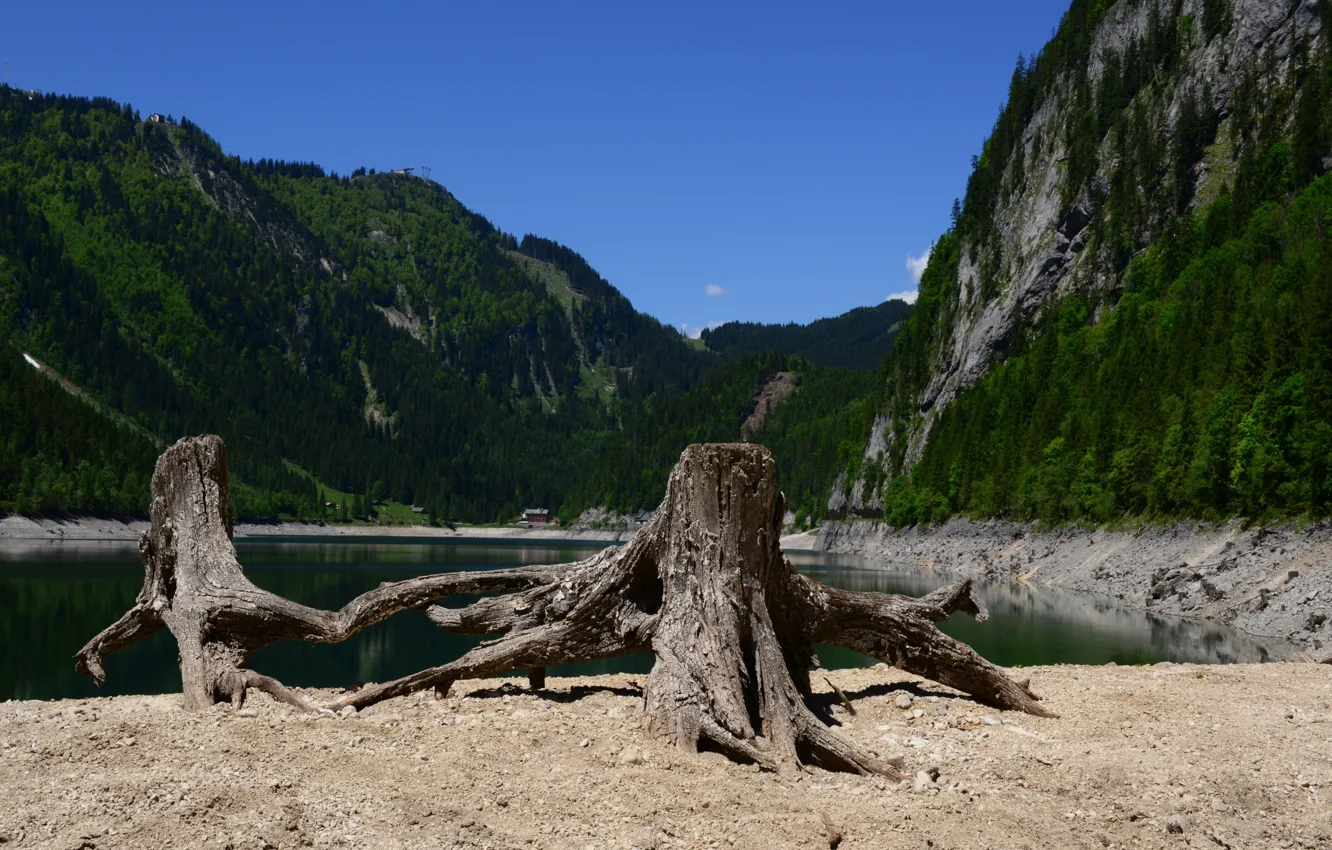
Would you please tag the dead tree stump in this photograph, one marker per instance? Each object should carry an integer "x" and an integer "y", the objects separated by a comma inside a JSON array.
[
  {"x": 705, "y": 587},
  {"x": 194, "y": 586}
]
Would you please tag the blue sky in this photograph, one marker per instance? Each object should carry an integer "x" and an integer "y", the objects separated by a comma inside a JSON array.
[{"x": 768, "y": 162}]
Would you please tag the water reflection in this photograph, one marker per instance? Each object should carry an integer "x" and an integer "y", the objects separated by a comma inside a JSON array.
[
  {"x": 1030, "y": 625},
  {"x": 53, "y": 597}
]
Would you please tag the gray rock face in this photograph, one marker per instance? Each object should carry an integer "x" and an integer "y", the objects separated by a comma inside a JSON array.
[
  {"x": 1273, "y": 582},
  {"x": 1042, "y": 240}
]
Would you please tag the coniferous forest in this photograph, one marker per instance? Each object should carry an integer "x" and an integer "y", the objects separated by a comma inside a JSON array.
[
  {"x": 364, "y": 335},
  {"x": 1198, "y": 384}
]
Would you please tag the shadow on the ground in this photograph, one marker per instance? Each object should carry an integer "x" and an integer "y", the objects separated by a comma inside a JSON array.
[
  {"x": 822, "y": 703},
  {"x": 572, "y": 694}
]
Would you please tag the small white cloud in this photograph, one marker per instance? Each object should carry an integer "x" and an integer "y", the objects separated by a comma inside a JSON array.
[
  {"x": 916, "y": 265},
  {"x": 909, "y": 296},
  {"x": 696, "y": 331},
  {"x": 714, "y": 291}
]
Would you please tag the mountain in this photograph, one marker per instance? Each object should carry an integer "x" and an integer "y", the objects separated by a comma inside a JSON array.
[
  {"x": 355, "y": 339},
  {"x": 1129, "y": 316},
  {"x": 858, "y": 339},
  {"x": 366, "y": 334},
  {"x": 809, "y": 415}
]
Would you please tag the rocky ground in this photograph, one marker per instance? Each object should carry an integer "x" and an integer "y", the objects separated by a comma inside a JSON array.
[
  {"x": 1165, "y": 756},
  {"x": 1273, "y": 581},
  {"x": 18, "y": 532}
]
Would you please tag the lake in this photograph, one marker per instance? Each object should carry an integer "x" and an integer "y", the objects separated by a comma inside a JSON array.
[{"x": 55, "y": 596}]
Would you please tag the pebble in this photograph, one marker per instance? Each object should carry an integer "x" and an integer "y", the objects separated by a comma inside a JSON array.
[
  {"x": 1219, "y": 805},
  {"x": 903, "y": 701},
  {"x": 991, "y": 720},
  {"x": 630, "y": 756},
  {"x": 348, "y": 711},
  {"x": 1177, "y": 824},
  {"x": 586, "y": 742},
  {"x": 924, "y": 782}
]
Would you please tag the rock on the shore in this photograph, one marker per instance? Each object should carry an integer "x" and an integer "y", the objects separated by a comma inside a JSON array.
[{"x": 1273, "y": 582}]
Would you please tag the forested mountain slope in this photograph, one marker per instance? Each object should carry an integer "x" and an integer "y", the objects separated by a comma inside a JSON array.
[
  {"x": 1130, "y": 315},
  {"x": 811, "y": 425},
  {"x": 367, "y": 329},
  {"x": 858, "y": 339},
  {"x": 351, "y": 338}
]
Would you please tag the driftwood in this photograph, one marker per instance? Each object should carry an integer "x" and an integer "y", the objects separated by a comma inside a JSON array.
[
  {"x": 704, "y": 586},
  {"x": 193, "y": 585}
]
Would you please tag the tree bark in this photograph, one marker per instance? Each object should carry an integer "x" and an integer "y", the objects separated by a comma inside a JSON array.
[
  {"x": 731, "y": 622},
  {"x": 194, "y": 586},
  {"x": 704, "y": 586}
]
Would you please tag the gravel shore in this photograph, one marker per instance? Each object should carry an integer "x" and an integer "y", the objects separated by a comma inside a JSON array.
[
  {"x": 22, "y": 531},
  {"x": 1168, "y": 756},
  {"x": 1273, "y": 581}
]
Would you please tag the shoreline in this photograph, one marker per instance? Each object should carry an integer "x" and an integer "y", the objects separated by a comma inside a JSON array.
[
  {"x": 1270, "y": 582},
  {"x": 25, "y": 531},
  {"x": 1158, "y": 756}
]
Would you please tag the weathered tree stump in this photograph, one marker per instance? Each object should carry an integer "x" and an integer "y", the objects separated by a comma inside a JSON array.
[
  {"x": 194, "y": 586},
  {"x": 704, "y": 586}
]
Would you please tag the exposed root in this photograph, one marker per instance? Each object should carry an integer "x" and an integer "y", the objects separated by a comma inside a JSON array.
[{"x": 704, "y": 586}]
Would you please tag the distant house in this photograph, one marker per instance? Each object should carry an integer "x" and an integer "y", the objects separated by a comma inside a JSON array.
[
  {"x": 417, "y": 510},
  {"x": 536, "y": 516}
]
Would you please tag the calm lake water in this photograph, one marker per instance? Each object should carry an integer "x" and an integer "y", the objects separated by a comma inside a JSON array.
[{"x": 55, "y": 596}]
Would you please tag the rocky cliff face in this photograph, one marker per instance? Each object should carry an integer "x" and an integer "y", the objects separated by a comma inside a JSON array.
[
  {"x": 1046, "y": 233},
  {"x": 1269, "y": 581}
]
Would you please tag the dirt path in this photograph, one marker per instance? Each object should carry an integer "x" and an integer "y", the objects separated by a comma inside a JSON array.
[{"x": 1237, "y": 756}]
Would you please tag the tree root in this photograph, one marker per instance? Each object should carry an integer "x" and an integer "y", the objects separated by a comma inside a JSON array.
[
  {"x": 704, "y": 586},
  {"x": 732, "y": 666}
]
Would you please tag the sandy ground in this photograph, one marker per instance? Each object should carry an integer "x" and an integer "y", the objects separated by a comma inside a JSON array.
[{"x": 1169, "y": 756}]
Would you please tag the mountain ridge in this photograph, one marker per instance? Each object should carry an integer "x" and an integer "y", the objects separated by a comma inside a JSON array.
[
  {"x": 368, "y": 330},
  {"x": 858, "y": 339},
  {"x": 1146, "y": 136}
]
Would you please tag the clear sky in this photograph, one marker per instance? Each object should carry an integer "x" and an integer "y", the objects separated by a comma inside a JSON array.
[{"x": 758, "y": 161}]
